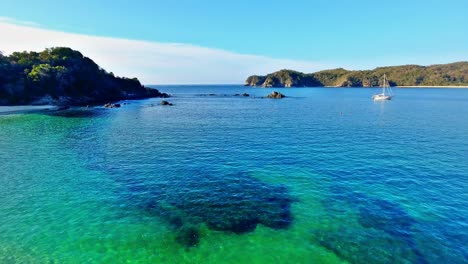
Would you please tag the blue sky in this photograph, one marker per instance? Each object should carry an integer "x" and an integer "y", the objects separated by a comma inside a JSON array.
[{"x": 334, "y": 33}]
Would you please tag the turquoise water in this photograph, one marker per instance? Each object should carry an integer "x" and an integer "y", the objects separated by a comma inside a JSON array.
[{"x": 323, "y": 176}]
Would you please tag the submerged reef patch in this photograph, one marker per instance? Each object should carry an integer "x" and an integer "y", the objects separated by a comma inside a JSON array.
[
  {"x": 234, "y": 203},
  {"x": 384, "y": 234},
  {"x": 364, "y": 245},
  {"x": 188, "y": 236}
]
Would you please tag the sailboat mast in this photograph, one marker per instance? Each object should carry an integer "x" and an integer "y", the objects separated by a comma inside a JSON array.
[{"x": 384, "y": 83}]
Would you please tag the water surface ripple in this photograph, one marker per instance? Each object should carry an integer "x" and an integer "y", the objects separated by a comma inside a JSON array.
[{"x": 323, "y": 176}]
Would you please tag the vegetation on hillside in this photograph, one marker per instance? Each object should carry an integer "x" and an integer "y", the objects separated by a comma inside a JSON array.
[
  {"x": 63, "y": 76},
  {"x": 453, "y": 74}
]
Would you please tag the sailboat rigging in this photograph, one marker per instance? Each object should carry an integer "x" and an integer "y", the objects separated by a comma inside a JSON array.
[{"x": 386, "y": 94}]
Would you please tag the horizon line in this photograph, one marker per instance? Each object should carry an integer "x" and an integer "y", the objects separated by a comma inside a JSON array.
[{"x": 166, "y": 63}]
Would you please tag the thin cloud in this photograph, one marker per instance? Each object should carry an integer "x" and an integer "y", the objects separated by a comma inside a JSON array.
[
  {"x": 10, "y": 20},
  {"x": 151, "y": 62}
]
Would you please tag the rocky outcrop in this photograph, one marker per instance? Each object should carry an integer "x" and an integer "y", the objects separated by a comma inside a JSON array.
[
  {"x": 350, "y": 81},
  {"x": 276, "y": 95},
  {"x": 255, "y": 80},
  {"x": 243, "y": 95},
  {"x": 111, "y": 105},
  {"x": 165, "y": 103}
]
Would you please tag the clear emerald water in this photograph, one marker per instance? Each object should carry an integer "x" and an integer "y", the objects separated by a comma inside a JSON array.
[{"x": 324, "y": 176}]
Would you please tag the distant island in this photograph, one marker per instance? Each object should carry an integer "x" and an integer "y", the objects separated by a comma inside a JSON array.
[
  {"x": 63, "y": 76},
  {"x": 453, "y": 74}
]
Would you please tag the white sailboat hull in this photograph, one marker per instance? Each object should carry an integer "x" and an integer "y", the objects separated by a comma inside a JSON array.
[
  {"x": 386, "y": 91},
  {"x": 381, "y": 97}
]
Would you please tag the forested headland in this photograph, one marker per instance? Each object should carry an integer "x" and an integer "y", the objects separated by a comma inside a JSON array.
[
  {"x": 453, "y": 74},
  {"x": 63, "y": 76}
]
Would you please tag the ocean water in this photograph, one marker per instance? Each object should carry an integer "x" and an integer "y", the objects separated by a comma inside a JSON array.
[{"x": 323, "y": 176}]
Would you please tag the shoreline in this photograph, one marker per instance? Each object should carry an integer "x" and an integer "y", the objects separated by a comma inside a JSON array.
[
  {"x": 23, "y": 108},
  {"x": 26, "y": 109}
]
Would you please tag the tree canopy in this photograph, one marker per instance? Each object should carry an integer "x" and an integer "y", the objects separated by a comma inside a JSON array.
[
  {"x": 66, "y": 76},
  {"x": 453, "y": 74}
]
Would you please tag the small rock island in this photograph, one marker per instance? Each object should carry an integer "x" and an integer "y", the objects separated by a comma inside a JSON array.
[
  {"x": 276, "y": 95},
  {"x": 63, "y": 76}
]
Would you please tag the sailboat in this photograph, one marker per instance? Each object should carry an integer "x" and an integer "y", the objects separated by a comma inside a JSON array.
[{"x": 386, "y": 94}]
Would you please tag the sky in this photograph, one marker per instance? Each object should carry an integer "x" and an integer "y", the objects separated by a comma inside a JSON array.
[{"x": 207, "y": 42}]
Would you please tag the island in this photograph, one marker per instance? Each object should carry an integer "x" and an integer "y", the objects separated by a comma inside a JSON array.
[
  {"x": 441, "y": 75},
  {"x": 63, "y": 76}
]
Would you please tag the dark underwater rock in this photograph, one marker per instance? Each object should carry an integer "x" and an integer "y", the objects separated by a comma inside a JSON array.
[
  {"x": 365, "y": 246},
  {"x": 387, "y": 233},
  {"x": 188, "y": 236},
  {"x": 380, "y": 214},
  {"x": 375, "y": 214},
  {"x": 234, "y": 203},
  {"x": 386, "y": 216},
  {"x": 239, "y": 225},
  {"x": 238, "y": 205},
  {"x": 372, "y": 212}
]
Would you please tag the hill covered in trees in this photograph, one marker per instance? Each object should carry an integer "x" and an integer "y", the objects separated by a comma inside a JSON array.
[
  {"x": 453, "y": 74},
  {"x": 63, "y": 76}
]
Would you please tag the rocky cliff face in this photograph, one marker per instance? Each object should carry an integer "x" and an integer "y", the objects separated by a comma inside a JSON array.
[
  {"x": 283, "y": 78},
  {"x": 255, "y": 80}
]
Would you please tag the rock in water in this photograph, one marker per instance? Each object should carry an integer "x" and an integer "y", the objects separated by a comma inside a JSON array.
[
  {"x": 165, "y": 103},
  {"x": 276, "y": 95},
  {"x": 110, "y": 105},
  {"x": 243, "y": 94}
]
